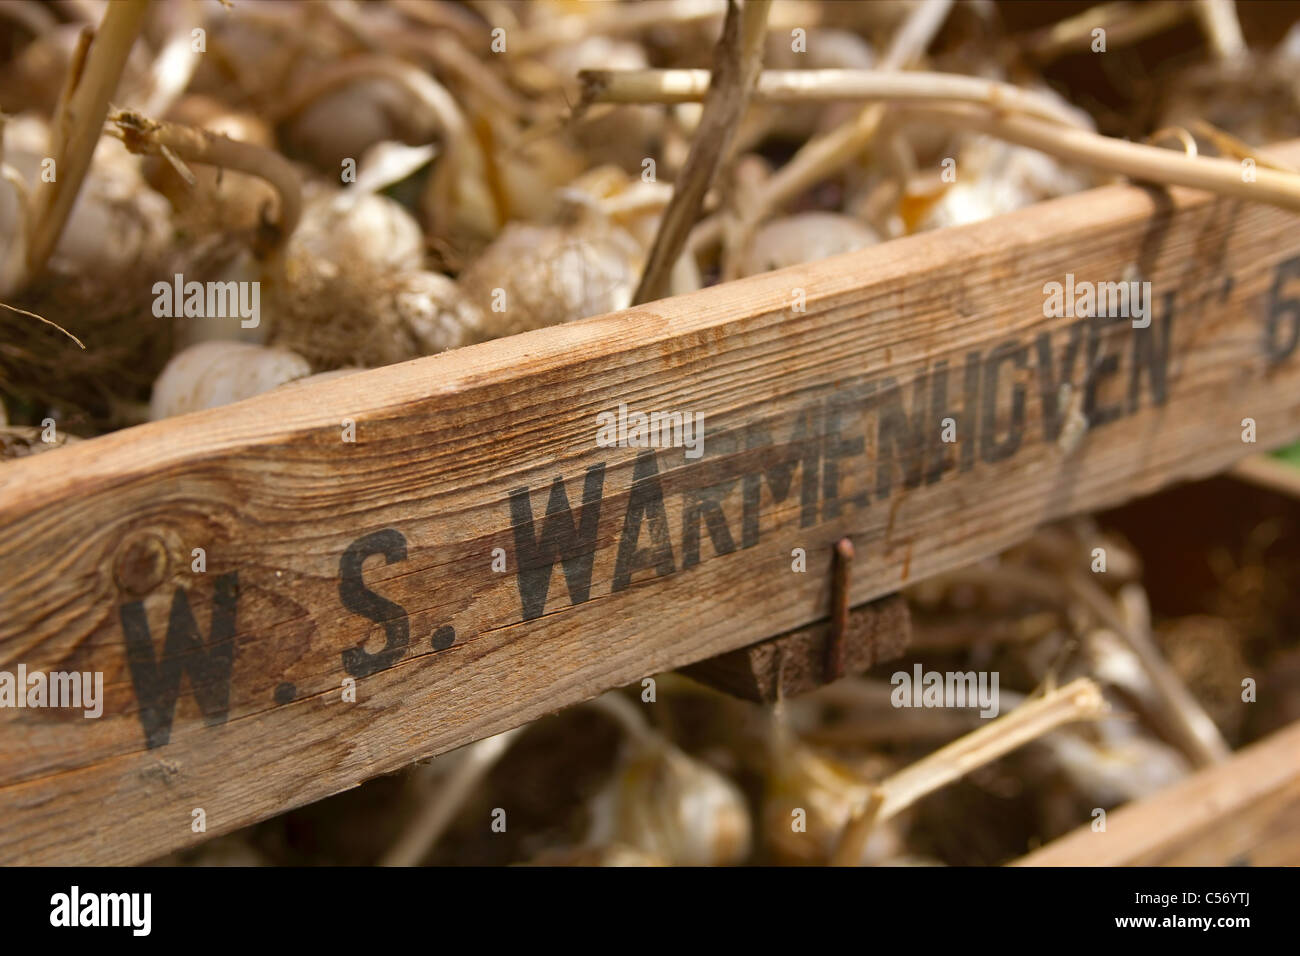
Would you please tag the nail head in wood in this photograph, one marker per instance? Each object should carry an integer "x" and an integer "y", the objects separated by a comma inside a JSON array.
[{"x": 795, "y": 662}]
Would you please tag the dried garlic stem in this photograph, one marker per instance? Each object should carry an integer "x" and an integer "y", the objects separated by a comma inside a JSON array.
[
  {"x": 622, "y": 711},
  {"x": 1229, "y": 145},
  {"x": 1222, "y": 28},
  {"x": 738, "y": 58},
  {"x": 445, "y": 50},
  {"x": 425, "y": 89},
  {"x": 157, "y": 138},
  {"x": 445, "y": 16},
  {"x": 33, "y": 315},
  {"x": 1145, "y": 163},
  {"x": 1080, "y": 699},
  {"x": 424, "y": 830},
  {"x": 820, "y": 157},
  {"x": 816, "y": 86},
  {"x": 77, "y": 128},
  {"x": 1184, "y": 721},
  {"x": 1179, "y": 718},
  {"x": 1124, "y": 23}
]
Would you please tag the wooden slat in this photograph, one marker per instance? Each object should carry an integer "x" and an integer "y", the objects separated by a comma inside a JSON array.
[
  {"x": 311, "y": 540},
  {"x": 1271, "y": 473},
  {"x": 1245, "y": 812},
  {"x": 796, "y": 663}
]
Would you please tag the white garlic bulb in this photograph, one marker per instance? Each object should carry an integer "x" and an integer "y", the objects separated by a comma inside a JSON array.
[
  {"x": 243, "y": 269},
  {"x": 13, "y": 230},
  {"x": 534, "y": 276},
  {"x": 805, "y": 237},
  {"x": 808, "y": 803},
  {"x": 433, "y": 313},
  {"x": 665, "y": 803},
  {"x": 344, "y": 122},
  {"x": 1125, "y": 765},
  {"x": 340, "y": 229},
  {"x": 113, "y": 203},
  {"x": 624, "y": 136},
  {"x": 216, "y": 373},
  {"x": 669, "y": 805},
  {"x": 994, "y": 178}
]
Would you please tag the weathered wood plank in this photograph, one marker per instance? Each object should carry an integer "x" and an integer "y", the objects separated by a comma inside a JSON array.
[
  {"x": 372, "y": 560},
  {"x": 1243, "y": 812},
  {"x": 795, "y": 663}
]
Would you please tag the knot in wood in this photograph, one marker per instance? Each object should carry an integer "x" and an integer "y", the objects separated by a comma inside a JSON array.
[{"x": 141, "y": 564}]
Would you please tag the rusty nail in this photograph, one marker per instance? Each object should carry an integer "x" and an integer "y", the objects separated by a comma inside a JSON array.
[{"x": 841, "y": 564}]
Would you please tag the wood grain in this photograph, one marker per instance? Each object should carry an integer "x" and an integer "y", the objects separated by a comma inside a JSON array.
[
  {"x": 795, "y": 663},
  {"x": 224, "y": 690},
  {"x": 1243, "y": 812}
]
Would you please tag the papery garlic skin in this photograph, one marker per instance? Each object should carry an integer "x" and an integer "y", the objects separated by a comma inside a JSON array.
[
  {"x": 534, "y": 276},
  {"x": 805, "y": 237},
  {"x": 995, "y": 178},
  {"x": 344, "y": 122},
  {"x": 217, "y": 373},
  {"x": 433, "y": 313},
  {"x": 243, "y": 267},
  {"x": 343, "y": 228},
  {"x": 117, "y": 222},
  {"x": 827, "y": 794},
  {"x": 669, "y": 805},
  {"x": 13, "y": 231}
]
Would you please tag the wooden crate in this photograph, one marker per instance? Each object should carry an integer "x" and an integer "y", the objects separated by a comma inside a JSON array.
[{"x": 474, "y": 558}]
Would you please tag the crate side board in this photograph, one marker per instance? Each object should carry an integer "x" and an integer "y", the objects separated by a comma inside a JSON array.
[
  {"x": 1245, "y": 812},
  {"x": 476, "y": 558}
]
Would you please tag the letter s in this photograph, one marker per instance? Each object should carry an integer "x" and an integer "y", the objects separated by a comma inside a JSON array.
[{"x": 359, "y": 599}]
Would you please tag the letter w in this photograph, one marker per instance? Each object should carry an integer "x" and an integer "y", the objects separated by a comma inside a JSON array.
[
  {"x": 157, "y": 685},
  {"x": 562, "y": 539}
]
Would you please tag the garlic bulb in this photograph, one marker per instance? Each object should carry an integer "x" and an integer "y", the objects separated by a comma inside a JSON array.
[
  {"x": 1125, "y": 765},
  {"x": 13, "y": 230},
  {"x": 117, "y": 221},
  {"x": 624, "y": 136},
  {"x": 992, "y": 178},
  {"x": 433, "y": 313},
  {"x": 805, "y": 237},
  {"x": 337, "y": 315},
  {"x": 244, "y": 270},
  {"x": 809, "y": 801},
  {"x": 36, "y": 75},
  {"x": 344, "y": 122},
  {"x": 342, "y": 229},
  {"x": 217, "y": 373},
  {"x": 663, "y": 802},
  {"x": 534, "y": 276}
]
